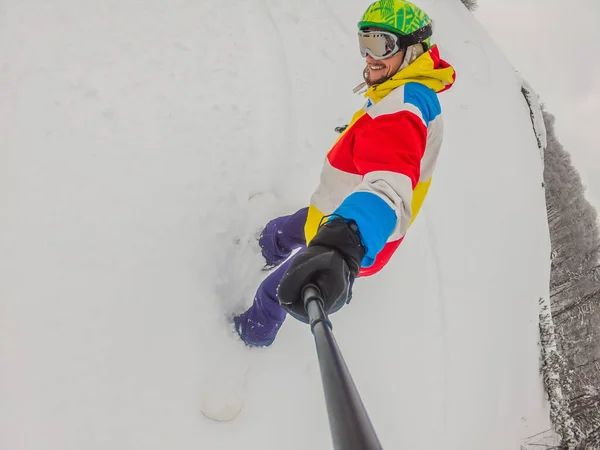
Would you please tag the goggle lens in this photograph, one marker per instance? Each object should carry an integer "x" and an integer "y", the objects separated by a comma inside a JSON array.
[{"x": 378, "y": 44}]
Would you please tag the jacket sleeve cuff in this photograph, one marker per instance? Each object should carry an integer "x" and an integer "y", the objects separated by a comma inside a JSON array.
[{"x": 376, "y": 221}]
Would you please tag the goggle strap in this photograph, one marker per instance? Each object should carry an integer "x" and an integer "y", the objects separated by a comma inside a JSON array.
[{"x": 405, "y": 41}]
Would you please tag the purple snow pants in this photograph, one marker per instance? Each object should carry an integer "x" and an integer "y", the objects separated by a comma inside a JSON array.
[{"x": 259, "y": 324}]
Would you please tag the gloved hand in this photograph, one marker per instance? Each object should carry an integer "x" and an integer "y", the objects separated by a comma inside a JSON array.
[{"x": 331, "y": 261}]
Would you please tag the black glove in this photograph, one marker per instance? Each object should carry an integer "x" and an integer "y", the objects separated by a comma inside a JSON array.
[{"x": 331, "y": 261}]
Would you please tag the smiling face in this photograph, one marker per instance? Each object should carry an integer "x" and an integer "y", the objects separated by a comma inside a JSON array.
[{"x": 378, "y": 71}]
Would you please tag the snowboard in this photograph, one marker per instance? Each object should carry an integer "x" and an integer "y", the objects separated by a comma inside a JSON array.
[
  {"x": 224, "y": 386},
  {"x": 225, "y": 371}
]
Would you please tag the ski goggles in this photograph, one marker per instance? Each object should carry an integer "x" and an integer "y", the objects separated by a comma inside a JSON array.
[{"x": 378, "y": 44}]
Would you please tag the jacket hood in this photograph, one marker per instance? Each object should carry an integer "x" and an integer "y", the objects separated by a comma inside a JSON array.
[{"x": 428, "y": 69}]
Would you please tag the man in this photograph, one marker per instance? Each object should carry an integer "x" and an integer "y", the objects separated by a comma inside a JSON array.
[{"x": 374, "y": 179}]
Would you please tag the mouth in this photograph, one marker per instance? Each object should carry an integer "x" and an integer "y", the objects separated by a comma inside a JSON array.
[{"x": 375, "y": 67}]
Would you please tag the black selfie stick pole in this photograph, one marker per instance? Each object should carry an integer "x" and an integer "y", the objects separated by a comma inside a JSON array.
[{"x": 351, "y": 428}]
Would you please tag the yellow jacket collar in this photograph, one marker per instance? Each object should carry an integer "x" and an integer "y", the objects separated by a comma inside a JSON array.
[{"x": 427, "y": 69}]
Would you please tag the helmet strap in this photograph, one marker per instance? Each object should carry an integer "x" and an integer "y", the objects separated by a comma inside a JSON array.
[
  {"x": 411, "y": 54},
  {"x": 361, "y": 87}
]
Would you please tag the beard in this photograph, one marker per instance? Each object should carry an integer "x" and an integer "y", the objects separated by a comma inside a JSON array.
[{"x": 367, "y": 77}]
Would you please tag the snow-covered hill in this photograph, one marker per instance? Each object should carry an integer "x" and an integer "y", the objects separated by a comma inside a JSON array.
[{"x": 144, "y": 143}]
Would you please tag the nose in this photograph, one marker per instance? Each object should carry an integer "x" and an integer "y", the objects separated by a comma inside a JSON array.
[{"x": 369, "y": 59}]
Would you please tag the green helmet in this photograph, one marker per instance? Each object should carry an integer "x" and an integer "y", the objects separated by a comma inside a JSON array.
[{"x": 400, "y": 17}]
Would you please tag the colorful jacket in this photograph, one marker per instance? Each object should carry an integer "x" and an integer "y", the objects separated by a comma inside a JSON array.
[{"x": 379, "y": 169}]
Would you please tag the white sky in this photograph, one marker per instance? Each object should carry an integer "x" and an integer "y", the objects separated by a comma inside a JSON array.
[{"x": 554, "y": 44}]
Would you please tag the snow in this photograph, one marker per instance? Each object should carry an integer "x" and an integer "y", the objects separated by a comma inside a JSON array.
[
  {"x": 143, "y": 146},
  {"x": 537, "y": 116}
]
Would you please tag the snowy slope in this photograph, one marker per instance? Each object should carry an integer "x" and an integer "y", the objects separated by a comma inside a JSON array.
[{"x": 144, "y": 143}]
